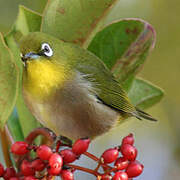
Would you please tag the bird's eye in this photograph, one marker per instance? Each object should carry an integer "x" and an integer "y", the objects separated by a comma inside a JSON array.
[{"x": 46, "y": 49}]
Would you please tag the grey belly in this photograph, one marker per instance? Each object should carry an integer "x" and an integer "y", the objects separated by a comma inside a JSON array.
[
  {"x": 75, "y": 112},
  {"x": 83, "y": 119}
]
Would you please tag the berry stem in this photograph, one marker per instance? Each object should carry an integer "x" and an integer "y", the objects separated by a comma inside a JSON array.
[
  {"x": 9, "y": 136},
  {"x": 45, "y": 132},
  {"x": 58, "y": 144},
  {"x": 5, "y": 148},
  {"x": 98, "y": 166},
  {"x": 110, "y": 171},
  {"x": 90, "y": 171},
  {"x": 50, "y": 135},
  {"x": 91, "y": 156}
]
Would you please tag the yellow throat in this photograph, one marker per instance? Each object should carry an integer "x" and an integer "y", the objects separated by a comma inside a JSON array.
[{"x": 42, "y": 77}]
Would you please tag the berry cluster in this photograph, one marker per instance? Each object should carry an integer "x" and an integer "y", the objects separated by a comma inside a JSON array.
[
  {"x": 57, "y": 161},
  {"x": 125, "y": 166}
]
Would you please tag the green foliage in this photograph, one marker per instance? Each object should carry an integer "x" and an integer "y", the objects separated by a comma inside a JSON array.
[
  {"x": 144, "y": 94},
  {"x": 26, "y": 119},
  {"x": 75, "y": 21},
  {"x": 123, "y": 46},
  {"x": 15, "y": 127},
  {"x": 9, "y": 77},
  {"x": 27, "y": 21}
]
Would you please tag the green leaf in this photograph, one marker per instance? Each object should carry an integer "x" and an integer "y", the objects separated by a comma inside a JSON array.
[
  {"x": 9, "y": 79},
  {"x": 75, "y": 21},
  {"x": 144, "y": 94},
  {"x": 124, "y": 46},
  {"x": 27, "y": 21},
  {"x": 10, "y": 41},
  {"x": 15, "y": 127},
  {"x": 26, "y": 119}
]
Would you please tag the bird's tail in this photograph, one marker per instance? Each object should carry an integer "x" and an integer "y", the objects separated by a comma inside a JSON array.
[{"x": 143, "y": 115}]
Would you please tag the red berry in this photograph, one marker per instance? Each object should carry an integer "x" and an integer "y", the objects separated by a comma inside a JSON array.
[
  {"x": 20, "y": 148},
  {"x": 67, "y": 175},
  {"x": 55, "y": 162},
  {"x": 44, "y": 152},
  {"x": 26, "y": 168},
  {"x": 54, "y": 171},
  {"x": 9, "y": 172},
  {"x": 106, "y": 177},
  {"x": 134, "y": 169},
  {"x": 1, "y": 170},
  {"x": 68, "y": 156},
  {"x": 128, "y": 139},
  {"x": 120, "y": 176},
  {"x": 55, "y": 158},
  {"x": 13, "y": 178},
  {"x": 129, "y": 152},
  {"x": 121, "y": 163},
  {"x": 110, "y": 155},
  {"x": 30, "y": 178},
  {"x": 80, "y": 146},
  {"x": 38, "y": 165}
]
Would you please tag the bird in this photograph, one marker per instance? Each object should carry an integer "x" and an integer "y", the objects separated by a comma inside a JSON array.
[{"x": 70, "y": 90}]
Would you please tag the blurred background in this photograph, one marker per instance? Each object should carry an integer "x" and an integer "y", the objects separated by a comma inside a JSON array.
[{"x": 158, "y": 143}]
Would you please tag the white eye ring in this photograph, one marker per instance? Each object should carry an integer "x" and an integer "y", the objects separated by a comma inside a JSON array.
[{"x": 46, "y": 49}]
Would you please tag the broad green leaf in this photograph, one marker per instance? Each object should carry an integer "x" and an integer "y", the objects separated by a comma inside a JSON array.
[
  {"x": 75, "y": 21},
  {"x": 124, "y": 46},
  {"x": 15, "y": 127},
  {"x": 127, "y": 84},
  {"x": 27, "y": 21},
  {"x": 26, "y": 119},
  {"x": 144, "y": 94},
  {"x": 9, "y": 80},
  {"x": 10, "y": 41}
]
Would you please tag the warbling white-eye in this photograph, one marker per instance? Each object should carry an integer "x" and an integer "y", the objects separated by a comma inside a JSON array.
[{"x": 70, "y": 90}]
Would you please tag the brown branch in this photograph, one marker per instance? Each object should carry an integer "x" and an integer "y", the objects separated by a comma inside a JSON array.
[
  {"x": 5, "y": 147},
  {"x": 100, "y": 163},
  {"x": 9, "y": 136},
  {"x": 91, "y": 156},
  {"x": 90, "y": 171},
  {"x": 45, "y": 132},
  {"x": 98, "y": 166}
]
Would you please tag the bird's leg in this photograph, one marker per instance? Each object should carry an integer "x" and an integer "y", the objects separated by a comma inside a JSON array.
[{"x": 61, "y": 141}]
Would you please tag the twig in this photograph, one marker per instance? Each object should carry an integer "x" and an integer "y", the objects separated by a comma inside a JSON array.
[
  {"x": 9, "y": 136},
  {"x": 91, "y": 156},
  {"x": 90, "y": 171},
  {"x": 45, "y": 132},
  {"x": 98, "y": 166},
  {"x": 5, "y": 147},
  {"x": 50, "y": 135}
]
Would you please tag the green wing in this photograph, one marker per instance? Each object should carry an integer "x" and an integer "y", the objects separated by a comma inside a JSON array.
[
  {"x": 113, "y": 95},
  {"x": 109, "y": 90}
]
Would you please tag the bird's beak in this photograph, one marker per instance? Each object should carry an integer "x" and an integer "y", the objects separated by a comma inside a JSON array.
[{"x": 29, "y": 56}]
